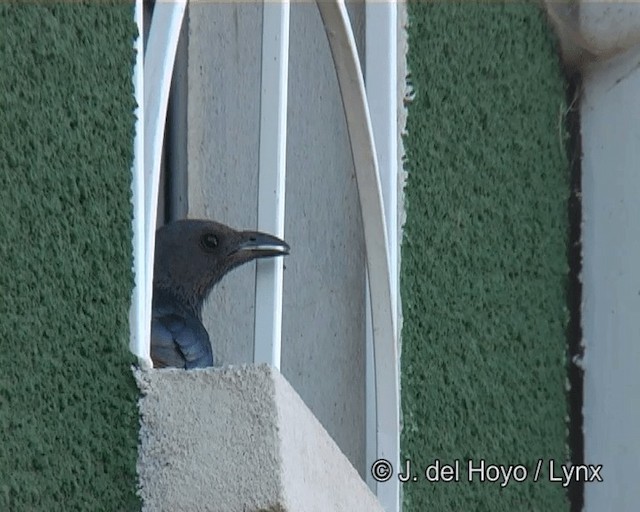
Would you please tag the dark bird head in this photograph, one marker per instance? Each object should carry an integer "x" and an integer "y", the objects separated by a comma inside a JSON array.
[{"x": 193, "y": 255}]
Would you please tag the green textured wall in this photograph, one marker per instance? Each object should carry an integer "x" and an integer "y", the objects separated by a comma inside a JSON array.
[
  {"x": 68, "y": 417},
  {"x": 484, "y": 256}
]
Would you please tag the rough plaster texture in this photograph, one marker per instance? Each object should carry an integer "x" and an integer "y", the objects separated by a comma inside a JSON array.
[
  {"x": 68, "y": 417},
  {"x": 238, "y": 439},
  {"x": 323, "y": 322},
  {"x": 484, "y": 262}
]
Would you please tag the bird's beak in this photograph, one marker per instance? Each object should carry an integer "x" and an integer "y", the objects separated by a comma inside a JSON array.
[{"x": 261, "y": 245}]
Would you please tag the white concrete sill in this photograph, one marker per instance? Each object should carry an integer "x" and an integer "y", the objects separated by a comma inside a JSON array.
[{"x": 238, "y": 439}]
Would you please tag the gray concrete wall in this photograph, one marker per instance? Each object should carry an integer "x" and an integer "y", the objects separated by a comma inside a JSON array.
[{"x": 323, "y": 322}]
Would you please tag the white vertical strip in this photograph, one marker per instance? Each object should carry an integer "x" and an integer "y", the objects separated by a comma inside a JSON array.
[
  {"x": 271, "y": 180},
  {"x": 610, "y": 129},
  {"x": 381, "y": 82},
  {"x": 158, "y": 68},
  {"x": 371, "y": 414},
  {"x": 138, "y": 321},
  {"x": 354, "y": 99}
]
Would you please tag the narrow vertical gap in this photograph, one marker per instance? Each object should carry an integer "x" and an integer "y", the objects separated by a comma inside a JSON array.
[
  {"x": 174, "y": 166},
  {"x": 574, "y": 293},
  {"x": 147, "y": 14}
]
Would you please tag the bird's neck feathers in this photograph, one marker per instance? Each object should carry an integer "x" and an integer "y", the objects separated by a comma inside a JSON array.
[
  {"x": 191, "y": 286},
  {"x": 191, "y": 295}
]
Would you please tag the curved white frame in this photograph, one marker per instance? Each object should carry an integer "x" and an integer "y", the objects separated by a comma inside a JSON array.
[
  {"x": 157, "y": 68},
  {"x": 354, "y": 99}
]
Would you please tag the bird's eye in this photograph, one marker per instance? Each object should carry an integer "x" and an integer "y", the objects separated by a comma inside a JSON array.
[{"x": 209, "y": 241}]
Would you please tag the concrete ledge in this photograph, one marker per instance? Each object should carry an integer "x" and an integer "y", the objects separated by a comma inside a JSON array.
[{"x": 238, "y": 439}]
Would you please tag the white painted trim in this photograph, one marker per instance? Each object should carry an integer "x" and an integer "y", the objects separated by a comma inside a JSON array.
[
  {"x": 271, "y": 179},
  {"x": 354, "y": 98},
  {"x": 138, "y": 321},
  {"x": 381, "y": 81}
]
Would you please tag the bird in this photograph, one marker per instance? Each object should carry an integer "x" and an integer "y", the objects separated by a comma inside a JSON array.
[{"x": 191, "y": 256}]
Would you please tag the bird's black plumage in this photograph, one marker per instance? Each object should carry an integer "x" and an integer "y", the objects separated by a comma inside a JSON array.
[{"x": 191, "y": 256}]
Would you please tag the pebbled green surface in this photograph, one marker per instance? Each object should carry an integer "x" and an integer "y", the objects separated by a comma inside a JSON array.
[
  {"x": 484, "y": 255},
  {"x": 68, "y": 416}
]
